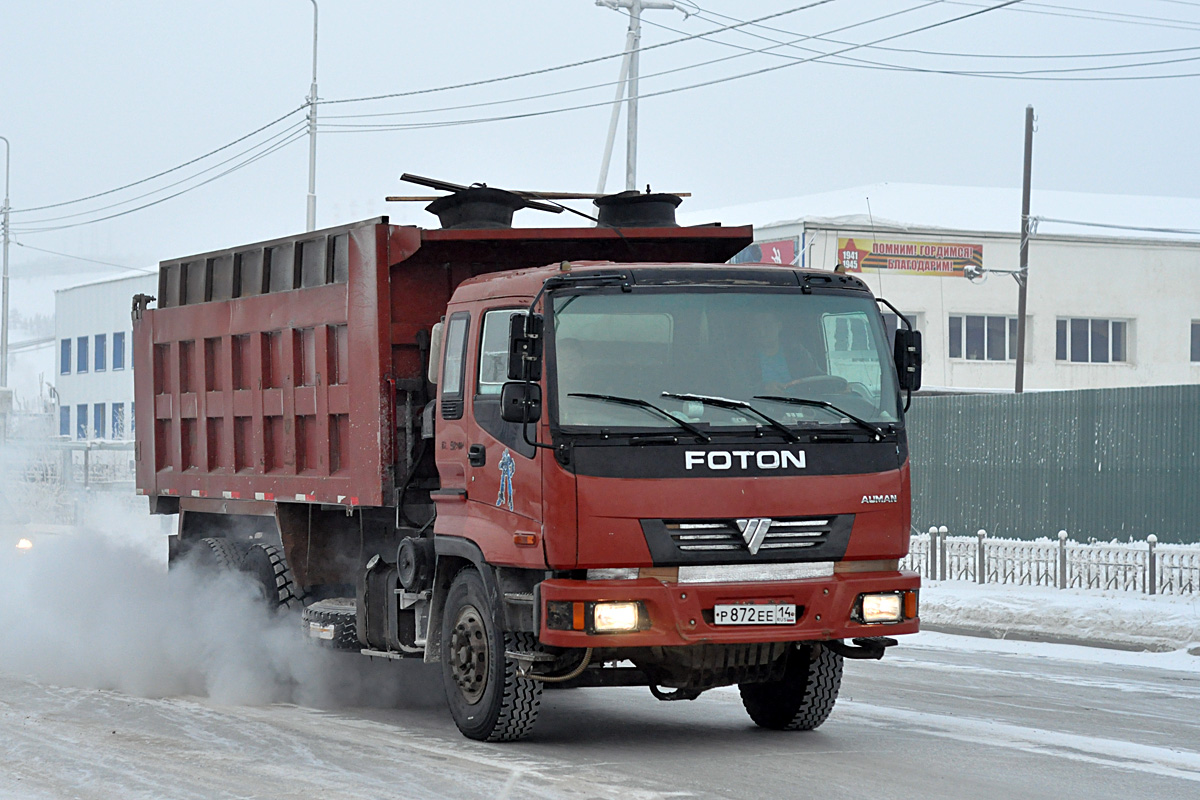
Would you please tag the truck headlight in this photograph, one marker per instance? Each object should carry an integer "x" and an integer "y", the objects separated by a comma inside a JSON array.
[
  {"x": 881, "y": 607},
  {"x": 615, "y": 617},
  {"x": 24, "y": 544}
]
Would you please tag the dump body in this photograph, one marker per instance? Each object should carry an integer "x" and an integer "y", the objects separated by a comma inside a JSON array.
[{"x": 286, "y": 370}]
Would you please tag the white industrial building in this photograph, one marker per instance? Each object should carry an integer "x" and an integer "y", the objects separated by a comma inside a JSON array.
[
  {"x": 1107, "y": 306},
  {"x": 94, "y": 357}
]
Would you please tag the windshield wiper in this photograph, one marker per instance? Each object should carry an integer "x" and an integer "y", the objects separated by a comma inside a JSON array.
[
  {"x": 725, "y": 402},
  {"x": 801, "y": 401},
  {"x": 637, "y": 402}
]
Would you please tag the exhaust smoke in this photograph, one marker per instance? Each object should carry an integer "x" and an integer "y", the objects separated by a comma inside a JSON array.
[{"x": 93, "y": 605}]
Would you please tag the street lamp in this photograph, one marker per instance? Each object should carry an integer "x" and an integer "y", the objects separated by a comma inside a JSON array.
[
  {"x": 4, "y": 301},
  {"x": 312, "y": 132}
]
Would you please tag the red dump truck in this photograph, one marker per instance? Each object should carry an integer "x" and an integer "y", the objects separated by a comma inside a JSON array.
[{"x": 544, "y": 457}]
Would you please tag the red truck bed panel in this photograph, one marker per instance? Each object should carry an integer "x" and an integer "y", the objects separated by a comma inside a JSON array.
[
  {"x": 276, "y": 396},
  {"x": 281, "y": 371}
]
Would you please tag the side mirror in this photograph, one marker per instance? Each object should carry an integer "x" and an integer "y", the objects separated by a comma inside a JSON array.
[
  {"x": 525, "y": 348},
  {"x": 908, "y": 358},
  {"x": 521, "y": 401}
]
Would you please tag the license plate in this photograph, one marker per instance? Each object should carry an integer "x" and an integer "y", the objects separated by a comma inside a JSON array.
[{"x": 755, "y": 614}]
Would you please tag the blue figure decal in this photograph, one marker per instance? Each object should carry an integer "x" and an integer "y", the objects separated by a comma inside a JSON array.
[{"x": 507, "y": 468}]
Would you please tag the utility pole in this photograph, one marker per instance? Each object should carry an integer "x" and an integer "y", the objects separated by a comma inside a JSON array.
[
  {"x": 629, "y": 78},
  {"x": 1022, "y": 275},
  {"x": 4, "y": 301},
  {"x": 312, "y": 132}
]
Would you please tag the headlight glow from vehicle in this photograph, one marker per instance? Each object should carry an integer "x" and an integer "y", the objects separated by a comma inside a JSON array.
[
  {"x": 615, "y": 617},
  {"x": 24, "y": 544},
  {"x": 882, "y": 607}
]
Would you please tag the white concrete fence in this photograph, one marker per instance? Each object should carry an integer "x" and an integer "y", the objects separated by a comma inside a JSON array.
[{"x": 1147, "y": 567}]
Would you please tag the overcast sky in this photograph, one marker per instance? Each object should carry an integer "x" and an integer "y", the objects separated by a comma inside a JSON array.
[{"x": 96, "y": 95}]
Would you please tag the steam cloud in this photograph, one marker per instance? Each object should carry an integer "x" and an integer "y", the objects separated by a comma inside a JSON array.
[{"x": 96, "y": 607}]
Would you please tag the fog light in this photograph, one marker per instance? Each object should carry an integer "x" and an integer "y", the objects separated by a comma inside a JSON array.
[
  {"x": 24, "y": 544},
  {"x": 882, "y": 607},
  {"x": 614, "y": 617}
]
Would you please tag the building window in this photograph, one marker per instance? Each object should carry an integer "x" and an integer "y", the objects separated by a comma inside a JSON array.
[
  {"x": 64, "y": 359},
  {"x": 119, "y": 350},
  {"x": 81, "y": 355},
  {"x": 118, "y": 420},
  {"x": 1196, "y": 342},
  {"x": 100, "y": 363},
  {"x": 81, "y": 428},
  {"x": 1092, "y": 341},
  {"x": 64, "y": 421},
  {"x": 983, "y": 338},
  {"x": 98, "y": 421}
]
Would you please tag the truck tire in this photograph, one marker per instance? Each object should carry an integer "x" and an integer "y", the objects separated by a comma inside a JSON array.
[
  {"x": 266, "y": 565},
  {"x": 487, "y": 699},
  {"x": 222, "y": 555},
  {"x": 337, "y": 621},
  {"x": 803, "y": 698}
]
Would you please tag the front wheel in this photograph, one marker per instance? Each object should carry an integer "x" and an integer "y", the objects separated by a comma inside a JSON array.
[
  {"x": 487, "y": 699},
  {"x": 803, "y": 698}
]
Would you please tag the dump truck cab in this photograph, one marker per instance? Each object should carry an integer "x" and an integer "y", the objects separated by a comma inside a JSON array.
[{"x": 735, "y": 429}]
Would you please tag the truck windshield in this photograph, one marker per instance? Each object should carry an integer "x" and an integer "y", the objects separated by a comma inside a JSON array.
[{"x": 758, "y": 347}]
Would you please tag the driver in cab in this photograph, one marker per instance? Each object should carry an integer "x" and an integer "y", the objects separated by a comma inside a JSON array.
[{"x": 780, "y": 367}]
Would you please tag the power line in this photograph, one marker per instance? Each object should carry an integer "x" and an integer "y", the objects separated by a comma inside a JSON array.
[
  {"x": 275, "y": 148},
  {"x": 81, "y": 258},
  {"x": 606, "y": 84},
  {"x": 1012, "y": 74},
  {"x": 1032, "y": 74},
  {"x": 1184, "y": 231},
  {"x": 949, "y": 54},
  {"x": 164, "y": 172},
  {"x": 1117, "y": 15},
  {"x": 405, "y": 126},
  {"x": 1091, "y": 14},
  {"x": 702, "y": 84},
  {"x": 571, "y": 65},
  {"x": 285, "y": 132},
  {"x": 347, "y": 100}
]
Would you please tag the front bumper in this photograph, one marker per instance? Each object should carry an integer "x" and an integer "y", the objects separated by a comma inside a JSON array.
[{"x": 681, "y": 613}]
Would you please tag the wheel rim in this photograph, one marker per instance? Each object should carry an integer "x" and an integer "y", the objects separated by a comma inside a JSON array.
[{"x": 469, "y": 654}]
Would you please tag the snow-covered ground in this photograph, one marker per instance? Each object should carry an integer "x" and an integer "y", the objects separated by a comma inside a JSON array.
[{"x": 1164, "y": 624}]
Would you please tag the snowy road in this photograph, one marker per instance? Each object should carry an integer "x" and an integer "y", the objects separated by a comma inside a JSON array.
[{"x": 945, "y": 717}]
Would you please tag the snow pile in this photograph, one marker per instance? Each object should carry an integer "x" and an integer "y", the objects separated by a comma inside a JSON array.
[{"x": 1106, "y": 618}]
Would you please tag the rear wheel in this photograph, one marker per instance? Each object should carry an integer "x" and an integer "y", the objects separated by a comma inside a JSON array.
[
  {"x": 487, "y": 699},
  {"x": 266, "y": 565},
  {"x": 263, "y": 563},
  {"x": 803, "y": 698},
  {"x": 222, "y": 555}
]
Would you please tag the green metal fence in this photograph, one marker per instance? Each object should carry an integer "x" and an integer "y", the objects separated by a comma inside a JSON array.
[{"x": 1100, "y": 463}]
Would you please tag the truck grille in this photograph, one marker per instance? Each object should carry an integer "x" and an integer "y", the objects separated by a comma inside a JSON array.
[
  {"x": 728, "y": 541},
  {"x": 691, "y": 535}
]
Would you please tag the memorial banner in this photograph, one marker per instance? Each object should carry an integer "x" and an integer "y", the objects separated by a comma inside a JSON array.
[{"x": 943, "y": 259}]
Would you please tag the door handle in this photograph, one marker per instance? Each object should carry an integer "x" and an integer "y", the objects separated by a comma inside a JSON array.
[{"x": 476, "y": 455}]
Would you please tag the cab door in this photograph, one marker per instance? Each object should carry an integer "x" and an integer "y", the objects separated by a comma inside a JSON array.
[{"x": 504, "y": 485}]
